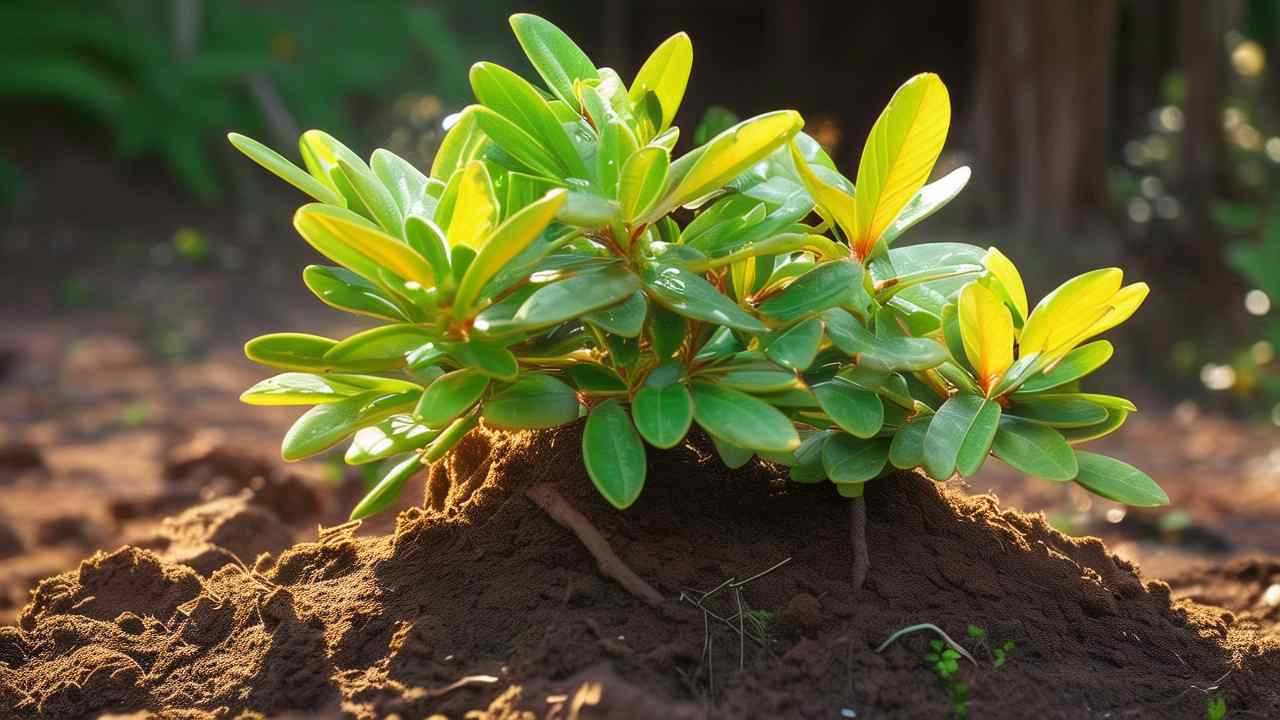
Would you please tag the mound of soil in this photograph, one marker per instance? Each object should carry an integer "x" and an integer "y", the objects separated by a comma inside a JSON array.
[{"x": 480, "y": 602}]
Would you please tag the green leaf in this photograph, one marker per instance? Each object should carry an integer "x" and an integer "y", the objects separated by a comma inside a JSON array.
[
  {"x": 490, "y": 359},
  {"x": 515, "y": 99},
  {"x": 375, "y": 196},
  {"x": 663, "y": 414},
  {"x": 617, "y": 144},
  {"x": 728, "y": 154},
  {"x": 280, "y": 166},
  {"x": 731, "y": 455},
  {"x": 758, "y": 379},
  {"x": 356, "y": 244},
  {"x": 858, "y": 412},
  {"x": 1061, "y": 411},
  {"x": 626, "y": 319},
  {"x": 324, "y": 426},
  {"x": 386, "y": 342},
  {"x": 822, "y": 288},
  {"x": 928, "y": 200},
  {"x": 666, "y": 75},
  {"x": 742, "y": 420},
  {"x": 596, "y": 379},
  {"x": 520, "y": 145},
  {"x": 1115, "y": 418},
  {"x": 847, "y": 459},
  {"x": 960, "y": 435},
  {"x": 644, "y": 175},
  {"x": 407, "y": 185},
  {"x": 666, "y": 332},
  {"x": 879, "y": 352},
  {"x": 691, "y": 296},
  {"x": 1034, "y": 449},
  {"x": 449, "y": 396},
  {"x": 462, "y": 144},
  {"x": 530, "y": 403},
  {"x": 290, "y": 351},
  {"x": 388, "y": 489},
  {"x": 428, "y": 240},
  {"x": 796, "y": 347},
  {"x": 613, "y": 454},
  {"x": 506, "y": 242},
  {"x": 577, "y": 295},
  {"x": 1074, "y": 365},
  {"x": 397, "y": 434},
  {"x": 557, "y": 59},
  {"x": 906, "y": 452},
  {"x": 1118, "y": 481},
  {"x": 342, "y": 289},
  {"x": 296, "y": 388}
]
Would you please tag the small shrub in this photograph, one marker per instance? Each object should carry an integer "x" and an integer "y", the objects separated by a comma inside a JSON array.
[{"x": 545, "y": 270}]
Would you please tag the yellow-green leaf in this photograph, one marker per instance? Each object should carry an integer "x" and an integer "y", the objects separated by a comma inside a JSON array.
[
  {"x": 643, "y": 175},
  {"x": 900, "y": 153},
  {"x": 1003, "y": 270},
  {"x": 349, "y": 240},
  {"x": 831, "y": 200},
  {"x": 475, "y": 213},
  {"x": 666, "y": 74},
  {"x": 732, "y": 151},
  {"x": 1121, "y": 306},
  {"x": 506, "y": 242},
  {"x": 1069, "y": 310},
  {"x": 461, "y": 144},
  {"x": 986, "y": 330}
]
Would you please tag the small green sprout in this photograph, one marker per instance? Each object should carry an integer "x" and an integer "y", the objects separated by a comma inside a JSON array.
[
  {"x": 560, "y": 260},
  {"x": 1216, "y": 708}
]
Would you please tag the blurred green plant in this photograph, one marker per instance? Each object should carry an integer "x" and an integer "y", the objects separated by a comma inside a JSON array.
[
  {"x": 546, "y": 270},
  {"x": 166, "y": 76}
]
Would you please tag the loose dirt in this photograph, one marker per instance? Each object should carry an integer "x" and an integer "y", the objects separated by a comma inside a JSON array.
[{"x": 479, "y": 602}]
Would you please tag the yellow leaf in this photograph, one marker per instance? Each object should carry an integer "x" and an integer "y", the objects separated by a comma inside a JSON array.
[
  {"x": 900, "y": 153},
  {"x": 986, "y": 331},
  {"x": 476, "y": 211},
  {"x": 507, "y": 241},
  {"x": 1120, "y": 307},
  {"x": 666, "y": 73},
  {"x": 326, "y": 224},
  {"x": 1069, "y": 310},
  {"x": 833, "y": 202},
  {"x": 732, "y": 151},
  {"x": 1003, "y": 270}
]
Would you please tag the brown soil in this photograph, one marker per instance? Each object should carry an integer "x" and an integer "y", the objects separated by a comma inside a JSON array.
[{"x": 479, "y": 600}]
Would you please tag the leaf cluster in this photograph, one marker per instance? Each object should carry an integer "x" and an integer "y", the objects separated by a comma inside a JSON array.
[{"x": 561, "y": 260}]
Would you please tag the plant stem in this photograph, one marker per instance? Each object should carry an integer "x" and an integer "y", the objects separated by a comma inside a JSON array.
[
  {"x": 554, "y": 504},
  {"x": 858, "y": 536}
]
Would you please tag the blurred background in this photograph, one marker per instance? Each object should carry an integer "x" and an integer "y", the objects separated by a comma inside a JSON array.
[{"x": 138, "y": 250}]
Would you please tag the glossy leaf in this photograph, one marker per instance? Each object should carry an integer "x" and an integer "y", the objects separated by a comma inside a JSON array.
[
  {"x": 986, "y": 329},
  {"x": 689, "y": 295},
  {"x": 374, "y": 195},
  {"x": 506, "y": 242},
  {"x": 847, "y": 459},
  {"x": 899, "y": 155},
  {"x": 393, "y": 436},
  {"x": 280, "y": 166},
  {"x": 1061, "y": 411},
  {"x": 663, "y": 414},
  {"x": 822, "y": 288},
  {"x": 1064, "y": 314},
  {"x": 741, "y": 419},
  {"x": 520, "y": 145},
  {"x": 557, "y": 59},
  {"x": 731, "y": 152},
  {"x": 613, "y": 454},
  {"x": 386, "y": 342},
  {"x": 342, "y": 289},
  {"x": 290, "y": 351},
  {"x": 833, "y": 201},
  {"x": 596, "y": 379},
  {"x": 530, "y": 403},
  {"x": 489, "y": 358},
  {"x": 324, "y": 426},
  {"x": 578, "y": 295},
  {"x": 928, "y": 200},
  {"x": 461, "y": 144},
  {"x": 515, "y": 99},
  {"x": 858, "y": 412},
  {"x": 475, "y": 211},
  {"x": 1036, "y": 450},
  {"x": 349, "y": 240},
  {"x": 796, "y": 347},
  {"x": 297, "y": 388},
  {"x": 449, "y": 396},
  {"x": 666, "y": 75},
  {"x": 388, "y": 489},
  {"x": 644, "y": 175},
  {"x": 1074, "y": 365},
  {"x": 960, "y": 435},
  {"x": 906, "y": 452},
  {"x": 1115, "y": 418},
  {"x": 626, "y": 319},
  {"x": 1009, "y": 281},
  {"x": 1118, "y": 481}
]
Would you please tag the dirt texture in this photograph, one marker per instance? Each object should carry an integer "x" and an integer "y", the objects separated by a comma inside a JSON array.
[{"x": 479, "y": 603}]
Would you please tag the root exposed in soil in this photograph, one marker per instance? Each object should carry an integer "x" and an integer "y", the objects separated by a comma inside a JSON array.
[{"x": 481, "y": 582}]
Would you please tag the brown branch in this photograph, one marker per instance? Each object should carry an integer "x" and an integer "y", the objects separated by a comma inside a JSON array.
[
  {"x": 858, "y": 536},
  {"x": 554, "y": 504}
]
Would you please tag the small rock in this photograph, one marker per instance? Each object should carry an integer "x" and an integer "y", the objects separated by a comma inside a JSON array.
[{"x": 802, "y": 612}]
